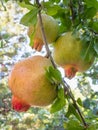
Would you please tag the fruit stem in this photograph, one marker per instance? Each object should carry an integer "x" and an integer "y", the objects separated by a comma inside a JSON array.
[{"x": 65, "y": 85}]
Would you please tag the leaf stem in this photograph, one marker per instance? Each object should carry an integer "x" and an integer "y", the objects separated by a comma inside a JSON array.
[{"x": 65, "y": 85}]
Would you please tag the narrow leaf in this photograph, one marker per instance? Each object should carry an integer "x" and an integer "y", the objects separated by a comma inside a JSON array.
[
  {"x": 79, "y": 102},
  {"x": 72, "y": 110}
]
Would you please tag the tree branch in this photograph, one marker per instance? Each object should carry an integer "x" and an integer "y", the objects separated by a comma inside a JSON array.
[
  {"x": 44, "y": 37},
  {"x": 72, "y": 11},
  {"x": 65, "y": 85}
]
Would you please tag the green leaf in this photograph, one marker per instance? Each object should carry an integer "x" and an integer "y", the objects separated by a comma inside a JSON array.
[
  {"x": 50, "y": 8},
  {"x": 30, "y": 18},
  {"x": 57, "y": 106},
  {"x": 79, "y": 101},
  {"x": 95, "y": 26},
  {"x": 61, "y": 94},
  {"x": 90, "y": 12},
  {"x": 88, "y": 52},
  {"x": 28, "y": 6},
  {"x": 66, "y": 2},
  {"x": 73, "y": 124},
  {"x": 91, "y": 127},
  {"x": 92, "y": 3},
  {"x": 72, "y": 110},
  {"x": 59, "y": 102},
  {"x": 65, "y": 20},
  {"x": 53, "y": 75},
  {"x": 53, "y": 10}
]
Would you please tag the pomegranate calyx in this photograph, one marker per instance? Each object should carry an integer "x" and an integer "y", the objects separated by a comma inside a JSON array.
[
  {"x": 19, "y": 105},
  {"x": 38, "y": 44},
  {"x": 70, "y": 71}
]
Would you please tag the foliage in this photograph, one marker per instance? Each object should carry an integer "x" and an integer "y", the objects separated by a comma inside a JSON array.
[
  {"x": 72, "y": 15},
  {"x": 82, "y": 18}
]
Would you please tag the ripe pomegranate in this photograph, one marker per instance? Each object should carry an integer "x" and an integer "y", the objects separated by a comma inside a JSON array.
[
  {"x": 28, "y": 82},
  {"x": 67, "y": 54},
  {"x": 51, "y": 29}
]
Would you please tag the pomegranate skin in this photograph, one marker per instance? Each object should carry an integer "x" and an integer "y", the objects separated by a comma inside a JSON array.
[{"x": 67, "y": 54}]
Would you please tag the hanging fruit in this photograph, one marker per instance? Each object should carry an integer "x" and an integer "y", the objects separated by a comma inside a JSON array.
[
  {"x": 51, "y": 29},
  {"x": 67, "y": 54}
]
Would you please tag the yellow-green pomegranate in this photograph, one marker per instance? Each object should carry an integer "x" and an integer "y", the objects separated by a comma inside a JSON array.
[
  {"x": 51, "y": 29},
  {"x": 28, "y": 82},
  {"x": 67, "y": 54}
]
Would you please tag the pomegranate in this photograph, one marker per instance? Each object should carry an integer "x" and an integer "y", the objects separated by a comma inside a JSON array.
[
  {"x": 28, "y": 82},
  {"x": 51, "y": 29},
  {"x": 67, "y": 54}
]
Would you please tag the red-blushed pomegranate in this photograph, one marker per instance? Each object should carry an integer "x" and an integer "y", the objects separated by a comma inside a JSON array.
[
  {"x": 67, "y": 54},
  {"x": 29, "y": 83},
  {"x": 19, "y": 105},
  {"x": 51, "y": 29}
]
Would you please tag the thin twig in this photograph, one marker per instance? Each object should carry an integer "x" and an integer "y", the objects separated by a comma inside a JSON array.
[
  {"x": 72, "y": 11},
  {"x": 65, "y": 85},
  {"x": 44, "y": 37}
]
